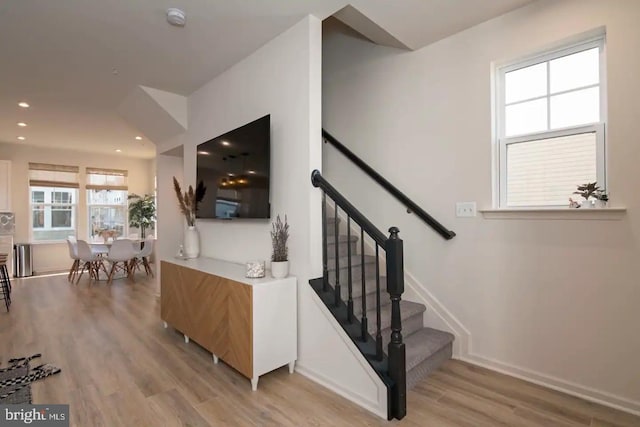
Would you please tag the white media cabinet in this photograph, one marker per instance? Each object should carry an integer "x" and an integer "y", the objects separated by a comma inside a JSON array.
[{"x": 251, "y": 324}]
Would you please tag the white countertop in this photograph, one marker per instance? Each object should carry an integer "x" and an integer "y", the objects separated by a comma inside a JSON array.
[{"x": 226, "y": 269}]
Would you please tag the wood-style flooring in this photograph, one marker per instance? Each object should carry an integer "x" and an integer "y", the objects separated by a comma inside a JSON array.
[{"x": 120, "y": 367}]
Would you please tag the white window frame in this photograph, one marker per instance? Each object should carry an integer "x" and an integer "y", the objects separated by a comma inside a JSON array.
[
  {"x": 47, "y": 207},
  {"x": 124, "y": 206},
  {"x": 599, "y": 128}
]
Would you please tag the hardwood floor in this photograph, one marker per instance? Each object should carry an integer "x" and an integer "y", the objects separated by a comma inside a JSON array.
[{"x": 120, "y": 367}]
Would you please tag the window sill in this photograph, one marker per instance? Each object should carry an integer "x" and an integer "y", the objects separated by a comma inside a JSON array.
[
  {"x": 603, "y": 214},
  {"x": 48, "y": 242}
]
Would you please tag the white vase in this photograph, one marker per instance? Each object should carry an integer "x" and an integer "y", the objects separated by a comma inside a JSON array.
[
  {"x": 191, "y": 242},
  {"x": 588, "y": 204},
  {"x": 279, "y": 269},
  {"x": 601, "y": 204}
]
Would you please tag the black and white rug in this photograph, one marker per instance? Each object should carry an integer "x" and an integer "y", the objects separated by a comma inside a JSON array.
[{"x": 16, "y": 379}]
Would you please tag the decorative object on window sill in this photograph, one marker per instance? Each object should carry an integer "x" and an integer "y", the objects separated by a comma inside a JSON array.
[
  {"x": 587, "y": 191},
  {"x": 601, "y": 198},
  {"x": 280, "y": 255},
  {"x": 255, "y": 269},
  {"x": 573, "y": 203},
  {"x": 142, "y": 212}
]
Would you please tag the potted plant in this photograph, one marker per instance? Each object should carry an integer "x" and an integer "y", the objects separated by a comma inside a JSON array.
[
  {"x": 280, "y": 255},
  {"x": 188, "y": 204},
  {"x": 587, "y": 191},
  {"x": 142, "y": 212},
  {"x": 602, "y": 198}
]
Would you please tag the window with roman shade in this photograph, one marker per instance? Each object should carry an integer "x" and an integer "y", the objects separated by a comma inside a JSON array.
[
  {"x": 53, "y": 201},
  {"x": 107, "y": 193}
]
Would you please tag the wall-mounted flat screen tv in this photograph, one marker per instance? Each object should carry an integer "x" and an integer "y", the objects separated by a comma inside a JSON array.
[{"x": 234, "y": 169}]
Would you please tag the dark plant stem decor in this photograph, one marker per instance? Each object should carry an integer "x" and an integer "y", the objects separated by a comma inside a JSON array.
[{"x": 279, "y": 236}]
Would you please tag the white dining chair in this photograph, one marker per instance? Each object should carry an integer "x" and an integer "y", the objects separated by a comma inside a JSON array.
[
  {"x": 121, "y": 256},
  {"x": 72, "y": 243},
  {"x": 142, "y": 257},
  {"x": 90, "y": 261}
]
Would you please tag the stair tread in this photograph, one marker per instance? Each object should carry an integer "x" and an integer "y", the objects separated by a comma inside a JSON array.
[
  {"x": 422, "y": 344},
  {"x": 407, "y": 309}
]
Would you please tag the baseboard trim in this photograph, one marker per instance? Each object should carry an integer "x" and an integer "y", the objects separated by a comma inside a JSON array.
[
  {"x": 587, "y": 393},
  {"x": 328, "y": 383}
]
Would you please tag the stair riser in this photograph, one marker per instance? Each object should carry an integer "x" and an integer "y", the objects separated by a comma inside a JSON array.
[
  {"x": 356, "y": 274},
  {"x": 429, "y": 365},
  {"x": 342, "y": 249},
  {"x": 409, "y": 326},
  {"x": 385, "y": 302}
]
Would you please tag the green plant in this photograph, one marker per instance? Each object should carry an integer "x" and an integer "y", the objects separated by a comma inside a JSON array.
[
  {"x": 142, "y": 211},
  {"x": 601, "y": 195},
  {"x": 279, "y": 236},
  {"x": 188, "y": 202},
  {"x": 587, "y": 190}
]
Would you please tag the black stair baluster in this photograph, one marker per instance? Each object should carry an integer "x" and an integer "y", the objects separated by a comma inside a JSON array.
[
  {"x": 325, "y": 270},
  {"x": 336, "y": 290},
  {"x": 350, "y": 316},
  {"x": 378, "y": 309},
  {"x": 364, "y": 322}
]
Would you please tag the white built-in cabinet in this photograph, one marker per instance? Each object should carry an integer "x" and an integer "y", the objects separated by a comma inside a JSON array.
[{"x": 5, "y": 185}]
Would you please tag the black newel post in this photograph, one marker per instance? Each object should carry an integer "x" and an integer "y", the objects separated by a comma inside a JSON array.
[{"x": 397, "y": 357}]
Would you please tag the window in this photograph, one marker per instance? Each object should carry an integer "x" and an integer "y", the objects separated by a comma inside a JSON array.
[
  {"x": 107, "y": 194},
  {"x": 550, "y": 125},
  {"x": 53, "y": 199}
]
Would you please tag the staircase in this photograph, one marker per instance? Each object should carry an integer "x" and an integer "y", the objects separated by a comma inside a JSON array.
[
  {"x": 426, "y": 348},
  {"x": 367, "y": 302}
]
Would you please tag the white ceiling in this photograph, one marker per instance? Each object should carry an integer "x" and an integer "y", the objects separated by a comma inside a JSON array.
[{"x": 75, "y": 61}]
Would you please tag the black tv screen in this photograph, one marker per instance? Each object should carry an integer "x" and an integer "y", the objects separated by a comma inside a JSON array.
[{"x": 234, "y": 169}]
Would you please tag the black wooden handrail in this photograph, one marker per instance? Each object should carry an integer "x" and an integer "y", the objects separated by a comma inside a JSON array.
[
  {"x": 318, "y": 181},
  {"x": 410, "y": 204}
]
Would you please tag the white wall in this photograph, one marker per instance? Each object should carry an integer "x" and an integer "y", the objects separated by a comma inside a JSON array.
[
  {"x": 49, "y": 257},
  {"x": 553, "y": 301},
  {"x": 283, "y": 79}
]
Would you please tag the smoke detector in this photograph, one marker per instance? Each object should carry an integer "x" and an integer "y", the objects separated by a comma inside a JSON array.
[{"x": 176, "y": 17}]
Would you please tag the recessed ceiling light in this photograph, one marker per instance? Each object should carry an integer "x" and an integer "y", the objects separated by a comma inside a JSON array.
[
  {"x": 139, "y": 138},
  {"x": 204, "y": 153},
  {"x": 225, "y": 143},
  {"x": 230, "y": 174},
  {"x": 23, "y": 104},
  {"x": 22, "y": 124},
  {"x": 251, "y": 172},
  {"x": 118, "y": 150},
  {"x": 21, "y": 138}
]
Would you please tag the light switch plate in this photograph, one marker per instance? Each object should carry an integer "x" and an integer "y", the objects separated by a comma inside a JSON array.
[{"x": 465, "y": 209}]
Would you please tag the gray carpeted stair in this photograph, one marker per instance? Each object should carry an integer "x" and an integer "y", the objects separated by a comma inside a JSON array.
[{"x": 426, "y": 348}]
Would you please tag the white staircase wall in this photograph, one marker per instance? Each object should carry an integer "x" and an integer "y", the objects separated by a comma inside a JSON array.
[
  {"x": 283, "y": 78},
  {"x": 554, "y": 302}
]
